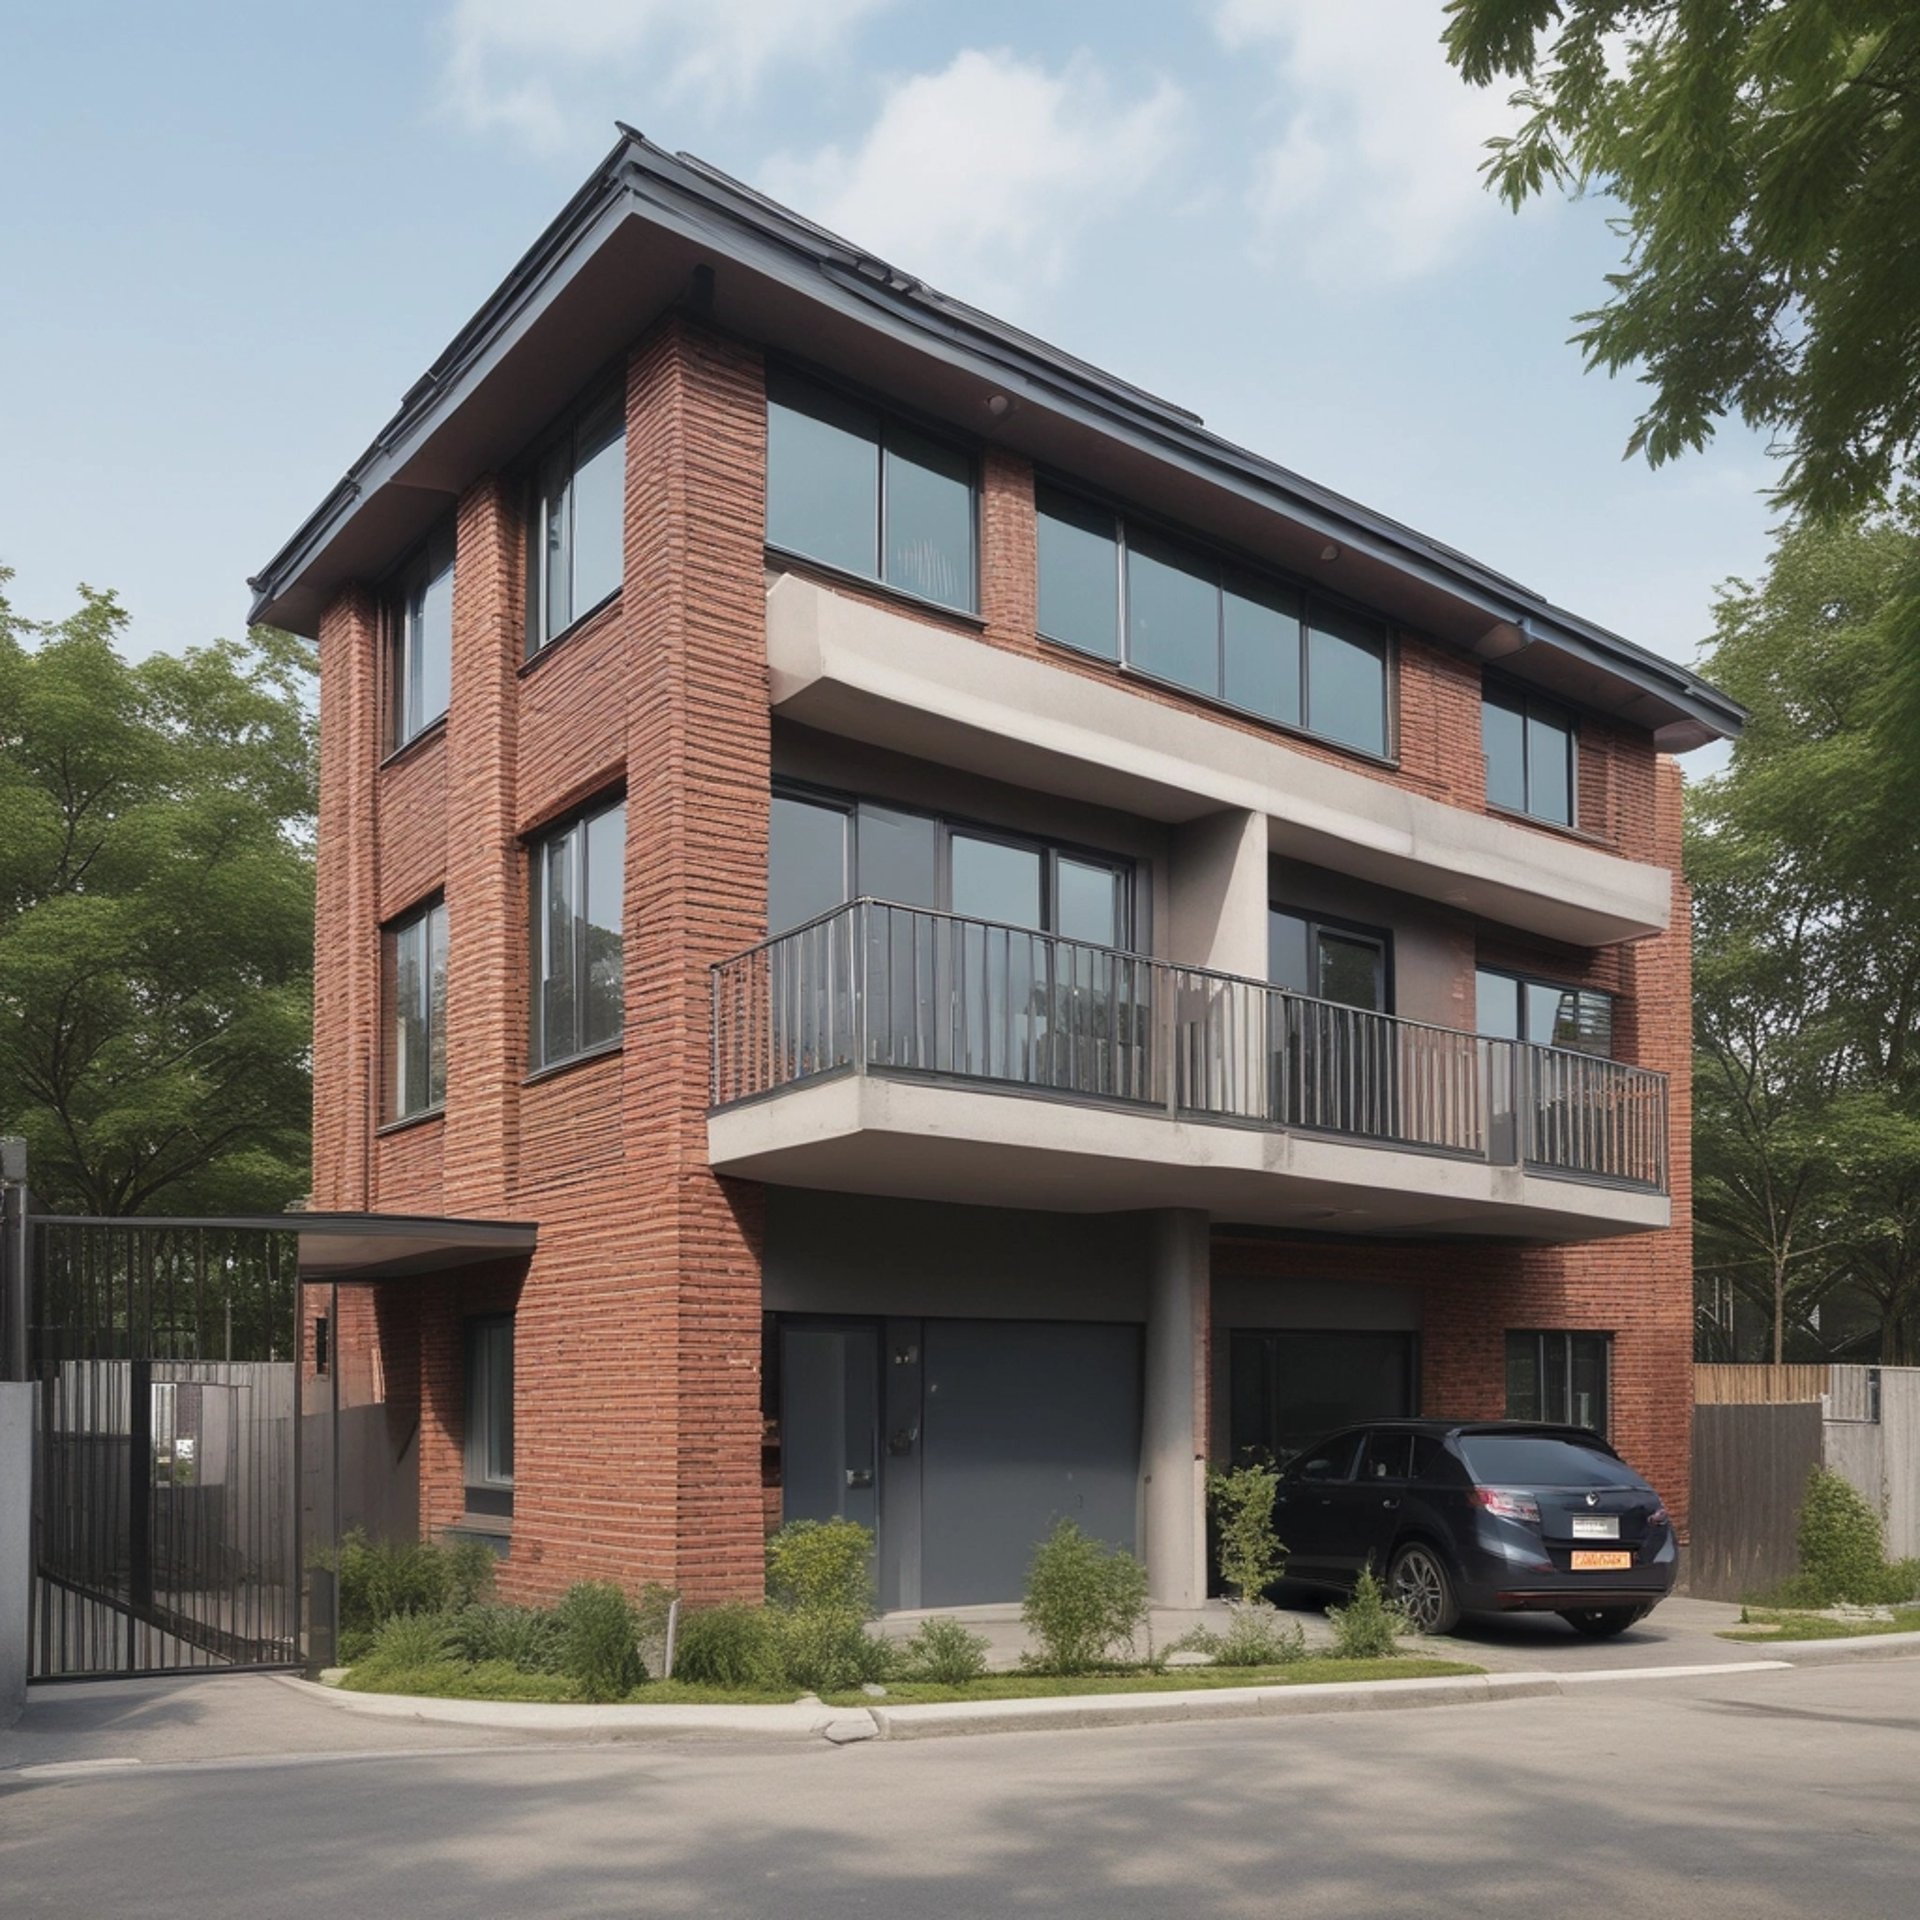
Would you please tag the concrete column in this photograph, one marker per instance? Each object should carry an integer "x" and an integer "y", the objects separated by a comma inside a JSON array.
[
  {"x": 1172, "y": 1443},
  {"x": 1217, "y": 872},
  {"x": 16, "y": 1557}
]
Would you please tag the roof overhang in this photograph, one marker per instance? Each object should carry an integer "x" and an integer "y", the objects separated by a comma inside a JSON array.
[
  {"x": 652, "y": 230},
  {"x": 342, "y": 1248}
]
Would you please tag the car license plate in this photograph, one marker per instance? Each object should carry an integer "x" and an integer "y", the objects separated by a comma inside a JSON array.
[
  {"x": 1596, "y": 1526},
  {"x": 1592, "y": 1562}
]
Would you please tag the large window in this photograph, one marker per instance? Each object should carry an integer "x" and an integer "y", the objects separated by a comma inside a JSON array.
[
  {"x": 1544, "y": 1012},
  {"x": 577, "y": 526},
  {"x": 858, "y": 490},
  {"x": 1530, "y": 748},
  {"x": 578, "y": 883},
  {"x": 1560, "y": 1377},
  {"x": 420, "y": 640},
  {"x": 417, "y": 1002},
  {"x": 1186, "y": 616},
  {"x": 489, "y": 1422}
]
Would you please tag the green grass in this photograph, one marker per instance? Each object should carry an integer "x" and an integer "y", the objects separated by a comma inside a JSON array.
[
  {"x": 1776, "y": 1623},
  {"x": 1049, "y": 1686},
  {"x": 495, "y": 1680}
]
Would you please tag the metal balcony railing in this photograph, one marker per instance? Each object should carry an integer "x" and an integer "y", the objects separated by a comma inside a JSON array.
[{"x": 872, "y": 987}]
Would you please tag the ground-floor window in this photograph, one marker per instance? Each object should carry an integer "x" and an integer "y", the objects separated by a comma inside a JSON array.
[
  {"x": 489, "y": 1425},
  {"x": 1288, "y": 1389},
  {"x": 1562, "y": 1377}
]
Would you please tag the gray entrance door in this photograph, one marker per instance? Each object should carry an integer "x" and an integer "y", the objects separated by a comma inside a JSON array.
[{"x": 829, "y": 1421}]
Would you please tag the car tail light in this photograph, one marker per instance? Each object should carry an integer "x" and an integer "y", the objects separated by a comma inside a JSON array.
[{"x": 1508, "y": 1505}]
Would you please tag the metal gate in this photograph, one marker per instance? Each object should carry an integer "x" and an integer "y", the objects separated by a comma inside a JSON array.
[{"x": 166, "y": 1522}]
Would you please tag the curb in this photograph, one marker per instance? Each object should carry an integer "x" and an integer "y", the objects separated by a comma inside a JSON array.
[{"x": 809, "y": 1719}]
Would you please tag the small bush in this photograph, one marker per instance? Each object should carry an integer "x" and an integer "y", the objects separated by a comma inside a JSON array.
[
  {"x": 410, "y": 1640},
  {"x": 822, "y": 1566},
  {"x": 1367, "y": 1627},
  {"x": 376, "y": 1580},
  {"x": 734, "y": 1647},
  {"x": 944, "y": 1652},
  {"x": 822, "y": 1651},
  {"x": 599, "y": 1641},
  {"x": 1843, "y": 1554},
  {"x": 1251, "y": 1556},
  {"x": 525, "y": 1638},
  {"x": 1256, "y": 1636},
  {"x": 1901, "y": 1583},
  {"x": 1084, "y": 1601}
]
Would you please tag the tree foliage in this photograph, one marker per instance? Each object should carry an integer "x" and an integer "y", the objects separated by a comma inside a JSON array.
[
  {"x": 156, "y": 915},
  {"x": 1766, "y": 155},
  {"x": 1805, "y": 861}
]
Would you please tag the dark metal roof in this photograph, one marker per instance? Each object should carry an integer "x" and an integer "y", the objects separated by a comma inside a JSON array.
[{"x": 649, "y": 229}]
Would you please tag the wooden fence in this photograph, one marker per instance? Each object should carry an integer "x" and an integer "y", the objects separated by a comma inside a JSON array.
[
  {"x": 1750, "y": 1468},
  {"x": 1720, "y": 1386}
]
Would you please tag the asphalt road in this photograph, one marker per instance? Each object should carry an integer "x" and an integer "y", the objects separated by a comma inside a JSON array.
[{"x": 1755, "y": 1795}]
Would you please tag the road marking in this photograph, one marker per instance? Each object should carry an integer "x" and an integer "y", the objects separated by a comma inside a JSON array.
[{"x": 56, "y": 1769}]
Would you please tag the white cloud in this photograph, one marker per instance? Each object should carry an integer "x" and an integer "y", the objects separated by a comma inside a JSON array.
[
  {"x": 978, "y": 177},
  {"x": 1375, "y": 175},
  {"x": 511, "y": 63}
]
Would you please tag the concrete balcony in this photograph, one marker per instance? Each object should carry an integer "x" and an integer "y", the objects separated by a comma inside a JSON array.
[
  {"x": 866, "y": 672},
  {"x": 895, "y": 1050}
]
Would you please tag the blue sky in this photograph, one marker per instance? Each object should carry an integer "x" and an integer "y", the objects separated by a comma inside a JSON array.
[{"x": 234, "y": 234}]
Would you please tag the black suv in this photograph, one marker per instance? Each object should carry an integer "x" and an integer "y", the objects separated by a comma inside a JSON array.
[{"x": 1479, "y": 1516}]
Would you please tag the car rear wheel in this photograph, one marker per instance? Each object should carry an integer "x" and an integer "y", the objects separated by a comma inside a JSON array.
[
  {"x": 1422, "y": 1589},
  {"x": 1602, "y": 1623}
]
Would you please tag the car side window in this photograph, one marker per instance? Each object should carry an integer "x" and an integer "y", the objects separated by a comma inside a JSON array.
[
  {"x": 1386, "y": 1456},
  {"x": 1432, "y": 1462},
  {"x": 1333, "y": 1461}
]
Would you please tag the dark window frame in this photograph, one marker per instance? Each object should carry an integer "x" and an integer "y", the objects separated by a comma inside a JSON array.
[
  {"x": 1338, "y": 924},
  {"x": 884, "y": 413},
  {"x": 422, "y": 917},
  {"x": 1528, "y": 706},
  {"x": 608, "y": 390},
  {"x": 487, "y": 1432},
  {"x": 1224, "y": 561},
  {"x": 1051, "y": 851},
  {"x": 404, "y": 605},
  {"x": 1566, "y": 1336},
  {"x": 572, "y": 825},
  {"x": 1521, "y": 982}
]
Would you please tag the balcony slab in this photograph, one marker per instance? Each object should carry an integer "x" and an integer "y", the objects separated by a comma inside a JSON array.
[
  {"x": 869, "y": 673},
  {"x": 935, "y": 1140}
]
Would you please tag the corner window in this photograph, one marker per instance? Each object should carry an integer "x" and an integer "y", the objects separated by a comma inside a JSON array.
[
  {"x": 856, "y": 490},
  {"x": 489, "y": 1419},
  {"x": 1175, "y": 610},
  {"x": 576, "y": 531},
  {"x": 420, "y": 640},
  {"x": 417, "y": 1003},
  {"x": 1561, "y": 1377},
  {"x": 1529, "y": 746},
  {"x": 578, "y": 884},
  {"x": 1544, "y": 1013}
]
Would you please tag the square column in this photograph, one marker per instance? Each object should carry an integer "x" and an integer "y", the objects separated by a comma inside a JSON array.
[{"x": 1173, "y": 1426}]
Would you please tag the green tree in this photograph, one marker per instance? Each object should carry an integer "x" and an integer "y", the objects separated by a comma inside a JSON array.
[
  {"x": 156, "y": 915},
  {"x": 1766, "y": 158},
  {"x": 1805, "y": 860}
]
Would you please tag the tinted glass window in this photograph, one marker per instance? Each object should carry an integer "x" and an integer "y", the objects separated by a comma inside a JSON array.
[
  {"x": 605, "y": 885},
  {"x": 1352, "y": 971},
  {"x": 899, "y": 856},
  {"x": 418, "y": 974},
  {"x": 1332, "y": 1460},
  {"x": 1261, "y": 640},
  {"x": 420, "y": 617},
  {"x": 823, "y": 476},
  {"x": 579, "y": 883},
  {"x": 577, "y": 530},
  {"x": 1529, "y": 1460},
  {"x": 1562, "y": 1377},
  {"x": 1544, "y": 1013},
  {"x": 489, "y": 1419},
  {"x": 1549, "y": 770},
  {"x": 1387, "y": 1456},
  {"x": 1079, "y": 575},
  {"x": 994, "y": 881},
  {"x": 806, "y": 861},
  {"x": 1087, "y": 902},
  {"x": 1173, "y": 614},
  {"x": 1503, "y": 736},
  {"x": 929, "y": 518},
  {"x": 1432, "y": 1463},
  {"x": 1346, "y": 679}
]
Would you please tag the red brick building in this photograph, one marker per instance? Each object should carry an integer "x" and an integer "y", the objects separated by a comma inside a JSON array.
[{"x": 996, "y": 945}]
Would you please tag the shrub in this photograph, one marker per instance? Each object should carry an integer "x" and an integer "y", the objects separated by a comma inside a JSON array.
[
  {"x": 944, "y": 1652},
  {"x": 1083, "y": 1601},
  {"x": 376, "y": 1580},
  {"x": 1901, "y": 1583},
  {"x": 736, "y": 1647},
  {"x": 1256, "y": 1636},
  {"x": 1251, "y": 1556},
  {"x": 1366, "y": 1628},
  {"x": 599, "y": 1640},
  {"x": 409, "y": 1640},
  {"x": 822, "y": 1566},
  {"x": 827, "y": 1651},
  {"x": 525, "y": 1638},
  {"x": 1842, "y": 1551}
]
